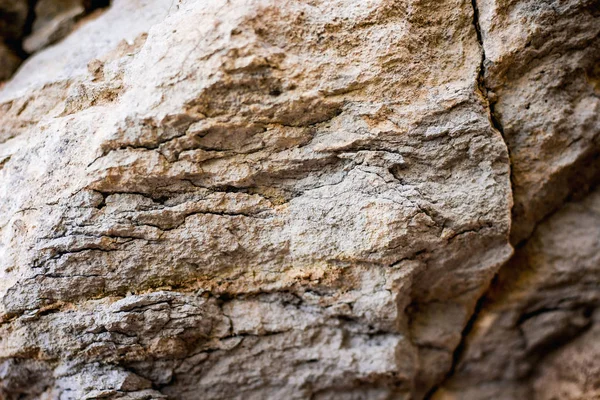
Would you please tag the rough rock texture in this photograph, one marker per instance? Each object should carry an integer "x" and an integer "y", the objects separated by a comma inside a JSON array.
[
  {"x": 54, "y": 19},
  {"x": 545, "y": 296},
  {"x": 542, "y": 73},
  {"x": 543, "y": 80},
  {"x": 254, "y": 199}
]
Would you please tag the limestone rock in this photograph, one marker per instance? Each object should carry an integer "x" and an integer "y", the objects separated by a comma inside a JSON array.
[
  {"x": 543, "y": 76},
  {"x": 546, "y": 296},
  {"x": 260, "y": 199},
  {"x": 27, "y": 27}
]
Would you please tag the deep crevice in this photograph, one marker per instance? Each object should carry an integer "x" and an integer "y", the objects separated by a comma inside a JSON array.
[
  {"x": 460, "y": 349},
  {"x": 497, "y": 125}
]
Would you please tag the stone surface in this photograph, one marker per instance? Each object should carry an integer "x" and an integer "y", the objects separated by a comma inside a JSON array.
[
  {"x": 545, "y": 296},
  {"x": 543, "y": 76},
  {"x": 251, "y": 199},
  {"x": 54, "y": 19},
  {"x": 28, "y": 26}
]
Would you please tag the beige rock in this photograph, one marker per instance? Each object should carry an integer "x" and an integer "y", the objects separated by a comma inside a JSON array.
[
  {"x": 541, "y": 73},
  {"x": 13, "y": 18},
  {"x": 251, "y": 199},
  {"x": 54, "y": 19},
  {"x": 323, "y": 191},
  {"x": 541, "y": 70}
]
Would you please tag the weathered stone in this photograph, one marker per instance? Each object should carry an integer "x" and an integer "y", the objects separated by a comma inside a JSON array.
[
  {"x": 255, "y": 199},
  {"x": 573, "y": 372},
  {"x": 542, "y": 73},
  {"x": 543, "y": 298},
  {"x": 27, "y": 27}
]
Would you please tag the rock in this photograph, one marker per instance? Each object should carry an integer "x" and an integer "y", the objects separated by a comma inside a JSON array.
[
  {"x": 542, "y": 299},
  {"x": 54, "y": 19},
  {"x": 250, "y": 199},
  {"x": 573, "y": 371},
  {"x": 541, "y": 75},
  {"x": 29, "y": 26},
  {"x": 541, "y": 70}
]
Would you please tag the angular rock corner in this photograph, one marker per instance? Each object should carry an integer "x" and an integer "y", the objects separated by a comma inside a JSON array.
[{"x": 255, "y": 199}]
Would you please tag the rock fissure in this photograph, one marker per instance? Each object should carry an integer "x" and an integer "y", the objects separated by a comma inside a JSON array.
[{"x": 483, "y": 90}]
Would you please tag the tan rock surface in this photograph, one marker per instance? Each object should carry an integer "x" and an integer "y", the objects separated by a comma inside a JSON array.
[
  {"x": 542, "y": 78},
  {"x": 254, "y": 199},
  {"x": 54, "y": 19}
]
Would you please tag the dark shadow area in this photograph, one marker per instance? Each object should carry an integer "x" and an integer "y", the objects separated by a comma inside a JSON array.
[{"x": 27, "y": 26}]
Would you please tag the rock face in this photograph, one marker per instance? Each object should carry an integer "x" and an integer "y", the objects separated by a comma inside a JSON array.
[
  {"x": 542, "y": 73},
  {"x": 543, "y": 80},
  {"x": 254, "y": 199},
  {"x": 544, "y": 297}
]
